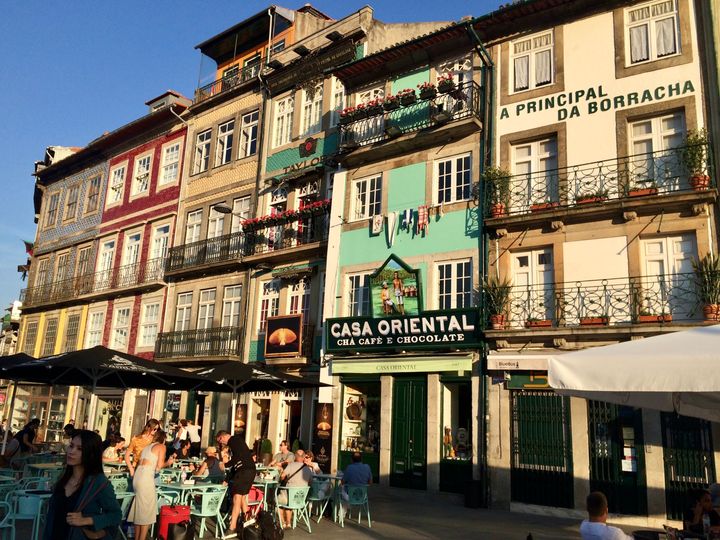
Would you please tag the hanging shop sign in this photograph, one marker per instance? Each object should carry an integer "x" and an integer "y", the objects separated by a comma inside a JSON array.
[
  {"x": 240, "y": 417},
  {"x": 283, "y": 336},
  {"x": 322, "y": 441}
]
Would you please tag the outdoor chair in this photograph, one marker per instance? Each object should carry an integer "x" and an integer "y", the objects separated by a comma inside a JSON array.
[
  {"x": 297, "y": 502},
  {"x": 205, "y": 503},
  {"x": 125, "y": 500},
  {"x": 167, "y": 496},
  {"x": 24, "y": 506},
  {"x": 356, "y": 496},
  {"x": 319, "y": 496},
  {"x": 119, "y": 483},
  {"x": 7, "y": 524}
]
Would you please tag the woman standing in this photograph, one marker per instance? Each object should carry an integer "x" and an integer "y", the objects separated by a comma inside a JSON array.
[
  {"x": 144, "y": 508},
  {"x": 138, "y": 444},
  {"x": 83, "y": 504}
]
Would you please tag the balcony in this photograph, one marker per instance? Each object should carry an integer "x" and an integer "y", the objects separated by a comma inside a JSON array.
[
  {"x": 443, "y": 108},
  {"x": 616, "y": 302},
  {"x": 226, "y": 250},
  {"x": 187, "y": 344},
  {"x": 633, "y": 179},
  {"x": 226, "y": 83},
  {"x": 103, "y": 283},
  {"x": 288, "y": 238}
]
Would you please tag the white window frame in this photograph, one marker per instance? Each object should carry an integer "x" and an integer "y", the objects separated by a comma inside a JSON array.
[
  {"x": 116, "y": 185},
  {"x": 201, "y": 162},
  {"x": 648, "y": 15},
  {"x": 193, "y": 226},
  {"x": 367, "y": 195},
  {"x": 312, "y": 111},
  {"x": 240, "y": 213},
  {"x": 460, "y": 69},
  {"x": 71, "y": 204},
  {"x": 232, "y": 306},
  {"x": 206, "y": 309},
  {"x": 269, "y": 302},
  {"x": 160, "y": 241},
  {"x": 132, "y": 247},
  {"x": 121, "y": 328},
  {"x": 339, "y": 100},
  {"x": 661, "y": 165},
  {"x": 96, "y": 323},
  {"x": 284, "y": 110},
  {"x": 531, "y": 48},
  {"x": 358, "y": 295},
  {"x": 225, "y": 142},
  {"x": 216, "y": 224},
  {"x": 149, "y": 324},
  {"x": 455, "y": 174},
  {"x": 170, "y": 165},
  {"x": 299, "y": 298},
  {"x": 249, "y": 134},
  {"x": 547, "y": 189},
  {"x": 458, "y": 287},
  {"x": 141, "y": 175},
  {"x": 183, "y": 311}
]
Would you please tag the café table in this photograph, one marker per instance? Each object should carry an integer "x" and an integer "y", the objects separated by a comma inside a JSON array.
[
  {"x": 336, "y": 486},
  {"x": 184, "y": 489}
]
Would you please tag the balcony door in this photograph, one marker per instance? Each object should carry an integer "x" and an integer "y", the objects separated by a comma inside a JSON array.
[
  {"x": 533, "y": 288},
  {"x": 654, "y": 163},
  {"x": 130, "y": 260},
  {"x": 668, "y": 285},
  {"x": 535, "y": 179},
  {"x": 105, "y": 264}
]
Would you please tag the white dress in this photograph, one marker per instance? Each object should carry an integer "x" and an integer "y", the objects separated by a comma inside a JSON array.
[{"x": 144, "y": 507}]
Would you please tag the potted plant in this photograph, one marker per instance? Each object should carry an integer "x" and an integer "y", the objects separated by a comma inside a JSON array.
[
  {"x": 497, "y": 296},
  {"x": 694, "y": 156},
  {"x": 536, "y": 322},
  {"x": 646, "y": 316},
  {"x": 642, "y": 188},
  {"x": 541, "y": 207},
  {"x": 266, "y": 451},
  {"x": 445, "y": 83},
  {"x": 592, "y": 197},
  {"x": 497, "y": 181},
  {"x": 594, "y": 320},
  {"x": 374, "y": 107},
  {"x": 427, "y": 90},
  {"x": 347, "y": 115},
  {"x": 391, "y": 103},
  {"x": 707, "y": 285},
  {"x": 407, "y": 97}
]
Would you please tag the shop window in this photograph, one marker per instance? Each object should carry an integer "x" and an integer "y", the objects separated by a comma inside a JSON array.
[
  {"x": 360, "y": 431},
  {"x": 456, "y": 430}
]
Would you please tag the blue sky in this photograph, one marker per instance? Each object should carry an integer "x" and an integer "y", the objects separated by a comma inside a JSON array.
[{"x": 70, "y": 71}]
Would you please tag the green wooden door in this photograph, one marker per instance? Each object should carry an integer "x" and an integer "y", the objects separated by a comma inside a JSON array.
[{"x": 409, "y": 433}]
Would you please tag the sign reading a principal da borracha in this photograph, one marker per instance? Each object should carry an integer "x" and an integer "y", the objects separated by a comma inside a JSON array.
[{"x": 430, "y": 330}]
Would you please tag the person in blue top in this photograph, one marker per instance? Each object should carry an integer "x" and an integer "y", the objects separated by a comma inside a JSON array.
[
  {"x": 83, "y": 504},
  {"x": 357, "y": 473}
]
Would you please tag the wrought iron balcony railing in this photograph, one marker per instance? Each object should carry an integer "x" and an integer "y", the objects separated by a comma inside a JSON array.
[
  {"x": 121, "y": 277},
  {"x": 640, "y": 175},
  {"x": 286, "y": 236},
  {"x": 226, "y": 83},
  {"x": 608, "y": 302},
  {"x": 224, "y": 248},
  {"x": 222, "y": 341},
  {"x": 463, "y": 102}
]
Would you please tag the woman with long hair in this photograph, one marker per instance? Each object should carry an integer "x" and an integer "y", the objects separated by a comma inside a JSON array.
[
  {"x": 144, "y": 508},
  {"x": 138, "y": 444},
  {"x": 83, "y": 504}
]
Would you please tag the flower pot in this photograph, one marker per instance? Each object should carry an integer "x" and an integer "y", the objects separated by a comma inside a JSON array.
[
  {"x": 650, "y": 319},
  {"x": 594, "y": 321},
  {"x": 391, "y": 105},
  {"x": 374, "y": 110},
  {"x": 408, "y": 99},
  {"x": 446, "y": 86},
  {"x": 711, "y": 312},
  {"x": 541, "y": 323},
  {"x": 642, "y": 192},
  {"x": 589, "y": 200},
  {"x": 344, "y": 120},
  {"x": 700, "y": 182},
  {"x": 497, "y": 210},
  {"x": 429, "y": 93},
  {"x": 540, "y": 207},
  {"x": 497, "y": 322}
]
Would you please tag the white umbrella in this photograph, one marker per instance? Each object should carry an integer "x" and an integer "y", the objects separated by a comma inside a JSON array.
[{"x": 678, "y": 371}]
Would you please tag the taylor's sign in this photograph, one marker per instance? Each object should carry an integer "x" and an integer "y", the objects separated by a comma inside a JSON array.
[{"x": 433, "y": 330}]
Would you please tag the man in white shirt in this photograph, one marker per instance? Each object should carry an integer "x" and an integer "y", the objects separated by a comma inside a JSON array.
[
  {"x": 193, "y": 431},
  {"x": 595, "y": 528}
]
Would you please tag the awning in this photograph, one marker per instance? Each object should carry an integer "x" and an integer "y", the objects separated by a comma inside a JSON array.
[
  {"x": 410, "y": 364},
  {"x": 295, "y": 270},
  {"x": 315, "y": 170}
]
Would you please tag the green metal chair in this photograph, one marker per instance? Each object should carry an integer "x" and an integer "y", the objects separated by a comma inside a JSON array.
[
  {"x": 125, "y": 500},
  {"x": 119, "y": 483},
  {"x": 319, "y": 496},
  {"x": 356, "y": 496},
  {"x": 7, "y": 524},
  {"x": 205, "y": 503},
  {"x": 297, "y": 502}
]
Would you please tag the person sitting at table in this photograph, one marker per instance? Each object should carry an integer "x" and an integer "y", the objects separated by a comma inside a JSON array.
[
  {"x": 26, "y": 437},
  {"x": 314, "y": 467},
  {"x": 184, "y": 451},
  {"x": 138, "y": 444},
  {"x": 110, "y": 454},
  {"x": 83, "y": 504},
  {"x": 212, "y": 466},
  {"x": 283, "y": 457},
  {"x": 701, "y": 505},
  {"x": 296, "y": 474},
  {"x": 595, "y": 527}
]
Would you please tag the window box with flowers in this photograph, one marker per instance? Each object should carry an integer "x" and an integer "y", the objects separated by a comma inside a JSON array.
[
  {"x": 602, "y": 320},
  {"x": 593, "y": 197},
  {"x": 391, "y": 103},
  {"x": 538, "y": 323},
  {"x": 407, "y": 97},
  {"x": 445, "y": 84},
  {"x": 347, "y": 115},
  {"x": 427, "y": 90},
  {"x": 374, "y": 107}
]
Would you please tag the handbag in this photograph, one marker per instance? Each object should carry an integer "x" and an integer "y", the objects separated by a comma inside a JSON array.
[
  {"x": 185, "y": 530},
  {"x": 284, "y": 481}
]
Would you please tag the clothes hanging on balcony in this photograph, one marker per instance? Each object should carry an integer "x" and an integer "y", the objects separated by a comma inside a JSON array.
[
  {"x": 392, "y": 224},
  {"x": 377, "y": 223},
  {"x": 423, "y": 223},
  {"x": 406, "y": 219}
]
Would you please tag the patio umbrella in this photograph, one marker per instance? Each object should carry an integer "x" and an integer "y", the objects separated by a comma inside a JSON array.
[
  {"x": 678, "y": 371},
  {"x": 236, "y": 377}
]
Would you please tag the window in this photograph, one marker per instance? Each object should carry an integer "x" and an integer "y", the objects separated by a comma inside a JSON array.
[
  {"x": 83, "y": 262},
  {"x": 534, "y": 169},
  {"x": 71, "y": 335},
  {"x": 453, "y": 179},
  {"x": 652, "y": 30},
  {"x": 117, "y": 183},
  {"x": 192, "y": 227},
  {"x": 62, "y": 266},
  {"x": 312, "y": 110},
  {"x": 460, "y": 69},
  {"x": 359, "y": 298},
  {"x": 141, "y": 182},
  {"x": 95, "y": 329},
  {"x": 170, "y": 164},
  {"x": 121, "y": 328},
  {"x": 251, "y": 66},
  {"x": 269, "y": 303},
  {"x": 532, "y": 61},
  {"x": 653, "y": 165},
  {"x": 533, "y": 289},
  {"x": 30, "y": 338},
  {"x": 71, "y": 203},
  {"x": 42, "y": 277},
  {"x": 248, "y": 134},
  {"x": 51, "y": 326},
  {"x": 206, "y": 309},
  {"x": 93, "y": 195},
  {"x": 202, "y": 151},
  {"x": 161, "y": 237},
  {"x": 132, "y": 249},
  {"x": 454, "y": 285},
  {"x": 367, "y": 197},
  {"x": 149, "y": 324},
  {"x": 277, "y": 47},
  {"x": 231, "y": 306},
  {"x": 300, "y": 299},
  {"x": 105, "y": 264},
  {"x": 338, "y": 101},
  {"x": 371, "y": 129},
  {"x": 283, "y": 121},
  {"x": 240, "y": 212},
  {"x": 51, "y": 215},
  {"x": 215, "y": 224},
  {"x": 223, "y": 150},
  {"x": 182, "y": 311},
  {"x": 668, "y": 263}
]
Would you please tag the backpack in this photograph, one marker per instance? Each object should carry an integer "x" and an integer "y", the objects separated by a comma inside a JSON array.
[{"x": 271, "y": 530}]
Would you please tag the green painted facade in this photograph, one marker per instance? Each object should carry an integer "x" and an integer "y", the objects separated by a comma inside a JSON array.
[{"x": 277, "y": 162}]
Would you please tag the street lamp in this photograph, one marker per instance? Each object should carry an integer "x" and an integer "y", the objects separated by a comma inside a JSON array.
[{"x": 222, "y": 208}]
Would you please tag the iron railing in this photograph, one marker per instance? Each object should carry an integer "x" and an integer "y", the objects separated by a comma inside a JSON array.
[
  {"x": 462, "y": 102},
  {"x": 120, "y": 277},
  {"x": 286, "y": 236},
  {"x": 224, "y": 248},
  {"x": 620, "y": 301},
  {"x": 639, "y": 175},
  {"x": 226, "y": 83},
  {"x": 222, "y": 341}
]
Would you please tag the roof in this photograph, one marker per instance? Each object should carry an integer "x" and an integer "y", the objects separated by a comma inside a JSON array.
[{"x": 165, "y": 93}]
